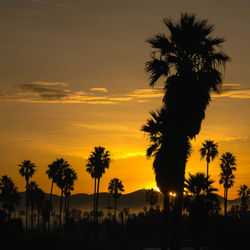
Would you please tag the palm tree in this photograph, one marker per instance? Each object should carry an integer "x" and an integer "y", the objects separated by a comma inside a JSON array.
[
  {"x": 115, "y": 188},
  {"x": 70, "y": 177},
  {"x": 227, "y": 165},
  {"x": 53, "y": 174},
  {"x": 190, "y": 59},
  {"x": 97, "y": 162},
  {"x": 60, "y": 182},
  {"x": 244, "y": 193},
  {"x": 209, "y": 150},
  {"x": 152, "y": 197},
  {"x": 9, "y": 197},
  {"x": 38, "y": 200},
  {"x": 32, "y": 186},
  {"x": 26, "y": 170}
]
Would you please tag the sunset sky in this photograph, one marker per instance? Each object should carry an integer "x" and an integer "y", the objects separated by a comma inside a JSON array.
[{"x": 72, "y": 77}]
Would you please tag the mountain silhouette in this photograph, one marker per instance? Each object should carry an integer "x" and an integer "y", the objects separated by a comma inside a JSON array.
[{"x": 134, "y": 201}]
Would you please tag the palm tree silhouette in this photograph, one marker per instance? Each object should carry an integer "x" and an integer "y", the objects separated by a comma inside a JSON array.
[
  {"x": 209, "y": 150},
  {"x": 115, "y": 188},
  {"x": 190, "y": 59},
  {"x": 9, "y": 197},
  {"x": 244, "y": 193},
  {"x": 70, "y": 177},
  {"x": 97, "y": 162},
  {"x": 53, "y": 174},
  {"x": 32, "y": 186},
  {"x": 26, "y": 170},
  {"x": 227, "y": 165},
  {"x": 60, "y": 182},
  {"x": 152, "y": 197},
  {"x": 38, "y": 200}
]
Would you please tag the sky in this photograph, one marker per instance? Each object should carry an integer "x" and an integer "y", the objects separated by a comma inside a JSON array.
[{"x": 72, "y": 77}]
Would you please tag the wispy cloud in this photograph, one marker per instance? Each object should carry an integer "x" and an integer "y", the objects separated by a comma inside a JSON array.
[
  {"x": 234, "y": 138},
  {"x": 53, "y": 4},
  {"x": 99, "y": 89},
  {"x": 60, "y": 92},
  {"x": 234, "y": 90}
]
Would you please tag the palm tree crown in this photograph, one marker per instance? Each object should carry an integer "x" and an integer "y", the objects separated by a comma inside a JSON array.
[
  {"x": 190, "y": 58},
  {"x": 27, "y": 169},
  {"x": 209, "y": 150}
]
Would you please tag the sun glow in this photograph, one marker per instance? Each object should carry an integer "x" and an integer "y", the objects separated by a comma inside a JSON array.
[{"x": 156, "y": 189}]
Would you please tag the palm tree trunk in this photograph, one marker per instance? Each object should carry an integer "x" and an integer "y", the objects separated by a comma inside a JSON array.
[
  {"x": 96, "y": 222},
  {"x": 60, "y": 214},
  {"x": 115, "y": 210},
  {"x": 27, "y": 205},
  {"x": 225, "y": 200},
  {"x": 38, "y": 217},
  {"x": 94, "y": 197},
  {"x": 207, "y": 168},
  {"x": 165, "y": 214},
  {"x": 50, "y": 199}
]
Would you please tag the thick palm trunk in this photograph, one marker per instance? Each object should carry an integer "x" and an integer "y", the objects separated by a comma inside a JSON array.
[
  {"x": 60, "y": 214},
  {"x": 165, "y": 222}
]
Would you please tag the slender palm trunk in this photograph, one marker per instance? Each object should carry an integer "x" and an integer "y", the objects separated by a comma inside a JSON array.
[
  {"x": 94, "y": 197},
  {"x": 165, "y": 221},
  {"x": 96, "y": 222},
  {"x": 27, "y": 206},
  {"x": 50, "y": 199},
  {"x": 115, "y": 210},
  {"x": 38, "y": 218},
  {"x": 225, "y": 201},
  {"x": 207, "y": 168},
  {"x": 60, "y": 214},
  {"x": 32, "y": 216}
]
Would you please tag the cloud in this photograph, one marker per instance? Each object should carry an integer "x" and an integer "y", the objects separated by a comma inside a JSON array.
[
  {"x": 53, "y": 4},
  {"x": 234, "y": 90},
  {"x": 99, "y": 89},
  {"x": 235, "y": 138},
  {"x": 59, "y": 92},
  {"x": 146, "y": 93}
]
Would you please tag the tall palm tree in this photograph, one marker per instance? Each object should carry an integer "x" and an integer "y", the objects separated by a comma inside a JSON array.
[
  {"x": 189, "y": 57},
  {"x": 244, "y": 193},
  {"x": 97, "y": 162},
  {"x": 27, "y": 170},
  {"x": 152, "y": 197},
  {"x": 227, "y": 166},
  {"x": 53, "y": 174},
  {"x": 9, "y": 197},
  {"x": 209, "y": 150},
  {"x": 60, "y": 182},
  {"x": 115, "y": 188}
]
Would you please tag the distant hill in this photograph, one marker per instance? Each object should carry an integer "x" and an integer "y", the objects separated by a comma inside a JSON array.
[{"x": 135, "y": 201}]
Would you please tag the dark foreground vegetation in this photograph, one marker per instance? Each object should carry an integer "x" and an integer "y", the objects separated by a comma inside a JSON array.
[{"x": 133, "y": 232}]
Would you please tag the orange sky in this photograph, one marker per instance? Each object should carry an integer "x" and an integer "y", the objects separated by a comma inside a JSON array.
[{"x": 72, "y": 77}]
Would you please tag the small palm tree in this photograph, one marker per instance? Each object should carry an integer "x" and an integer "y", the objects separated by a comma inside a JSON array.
[
  {"x": 32, "y": 187},
  {"x": 53, "y": 174},
  {"x": 70, "y": 177},
  {"x": 244, "y": 193},
  {"x": 27, "y": 170},
  {"x": 38, "y": 200},
  {"x": 97, "y": 162},
  {"x": 209, "y": 150},
  {"x": 227, "y": 165},
  {"x": 9, "y": 197},
  {"x": 152, "y": 197},
  {"x": 60, "y": 182},
  {"x": 115, "y": 188}
]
